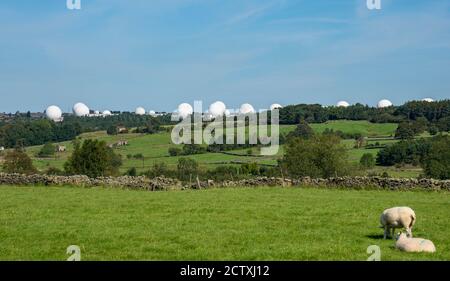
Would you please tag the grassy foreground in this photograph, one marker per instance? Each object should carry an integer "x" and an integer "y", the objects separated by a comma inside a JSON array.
[{"x": 39, "y": 223}]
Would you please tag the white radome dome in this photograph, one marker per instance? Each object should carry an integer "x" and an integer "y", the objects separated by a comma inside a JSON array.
[
  {"x": 342, "y": 104},
  {"x": 80, "y": 109},
  {"x": 185, "y": 110},
  {"x": 53, "y": 113},
  {"x": 275, "y": 106},
  {"x": 246, "y": 108},
  {"x": 227, "y": 113},
  {"x": 77, "y": 105},
  {"x": 217, "y": 109},
  {"x": 151, "y": 113},
  {"x": 384, "y": 103},
  {"x": 139, "y": 111},
  {"x": 106, "y": 113},
  {"x": 428, "y": 99},
  {"x": 96, "y": 112}
]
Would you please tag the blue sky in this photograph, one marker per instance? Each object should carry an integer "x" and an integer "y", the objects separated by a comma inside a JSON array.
[{"x": 120, "y": 54}]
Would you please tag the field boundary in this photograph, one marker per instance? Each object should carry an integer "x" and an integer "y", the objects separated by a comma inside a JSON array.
[{"x": 162, "y": 183}]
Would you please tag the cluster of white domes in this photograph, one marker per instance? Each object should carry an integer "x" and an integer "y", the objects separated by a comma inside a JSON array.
[
  {"x": 54, "y": 113},
  {"x": 184, "y": 110},
  {"x": 384, "y": 103},
  {"x": 342, "y": 103},
  {"x": 80, "y": 109}
]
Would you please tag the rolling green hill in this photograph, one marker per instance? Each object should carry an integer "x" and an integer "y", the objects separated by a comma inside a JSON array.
[{"x": 155, "y": 147}]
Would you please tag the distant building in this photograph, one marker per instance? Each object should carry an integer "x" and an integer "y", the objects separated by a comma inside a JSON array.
[
  {"x": 61, "y": 148},
  {"x": 122, "y": 130}
]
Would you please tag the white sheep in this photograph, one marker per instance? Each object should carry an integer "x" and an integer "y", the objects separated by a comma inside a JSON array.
[
  {"x": 414, "y": 244},
  {"x": 397, "y": 217}
]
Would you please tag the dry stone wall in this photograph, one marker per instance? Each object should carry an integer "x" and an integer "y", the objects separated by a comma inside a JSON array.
[
  {"x": 162, "y": 183},
  {"x": 159, "y": 183}
]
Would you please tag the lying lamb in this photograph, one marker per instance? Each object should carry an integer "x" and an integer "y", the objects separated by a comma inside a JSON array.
[
  {"x": 414, "y": 244},
  {"x": 397, "y": 217}
]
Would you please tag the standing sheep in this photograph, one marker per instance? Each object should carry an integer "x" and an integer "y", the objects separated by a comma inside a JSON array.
[
  {"x": 414, "y": 244},
  {"x": 397, "y": 217}
]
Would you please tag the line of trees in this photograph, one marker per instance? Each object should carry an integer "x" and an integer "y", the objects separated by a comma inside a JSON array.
[
  {"x": 36, "y": 132},
  {"x": 27, "y": 132},
  {"x": 432, "y": 154},
  {"x": 433, "y": 112}
]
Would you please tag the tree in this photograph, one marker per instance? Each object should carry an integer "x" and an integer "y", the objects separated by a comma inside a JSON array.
[
  {"x": 320, "y": 156},
  {"x": 437, "y": 163},
  {"x": 47, "y": 150},
  {"x": 132, "y": 172},
  {"x": 152, "y": 126},
  {"x": 405, "y": 131},
  {"x": 433, "y": 130},
  {"x": 404, "y": 152},
  {"x": 191, "y": 149},
  {"x": 93, "y": 158},
  {"x": 444, "y": 124},
  {"x": 174, "y": 151},
  {"x": 17, "y": 161},
  {"x": 303, "y": 130},
  {"x": 112, "y": 130},
  {"x": 187, "y": 167},
  {"x": 367, "y": 160}
]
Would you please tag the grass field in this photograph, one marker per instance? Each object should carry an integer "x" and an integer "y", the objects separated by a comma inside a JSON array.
[
  {"x": 365, "y": 128},
  {"x": 39, "y": 223}
]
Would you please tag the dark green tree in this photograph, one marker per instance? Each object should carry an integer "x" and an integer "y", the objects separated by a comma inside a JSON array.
[
  {"x": 48, "y": 150},
  {"x": 303, "y": 130},
  {"x": 132, "y": 172},
  {"x": 319, "y": 156},
  {"x": 437, "y": 162},
  {"x": 94, "y": 159},
  {"x": 405, "y": 130},
  {"x": 444, "y": 124},
  {"x": 174, "y": 151},
  {"x": 112, "y": 130}
]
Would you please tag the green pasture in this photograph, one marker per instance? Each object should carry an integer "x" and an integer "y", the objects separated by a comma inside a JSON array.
[
  {"x": 39, "y": 223},
  {"x": 155, "y": 148}
]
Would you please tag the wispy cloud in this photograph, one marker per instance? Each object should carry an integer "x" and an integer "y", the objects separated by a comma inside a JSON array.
[
  {"x": 250, "y": 13},
  {"x": 325, "y": 20}
]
